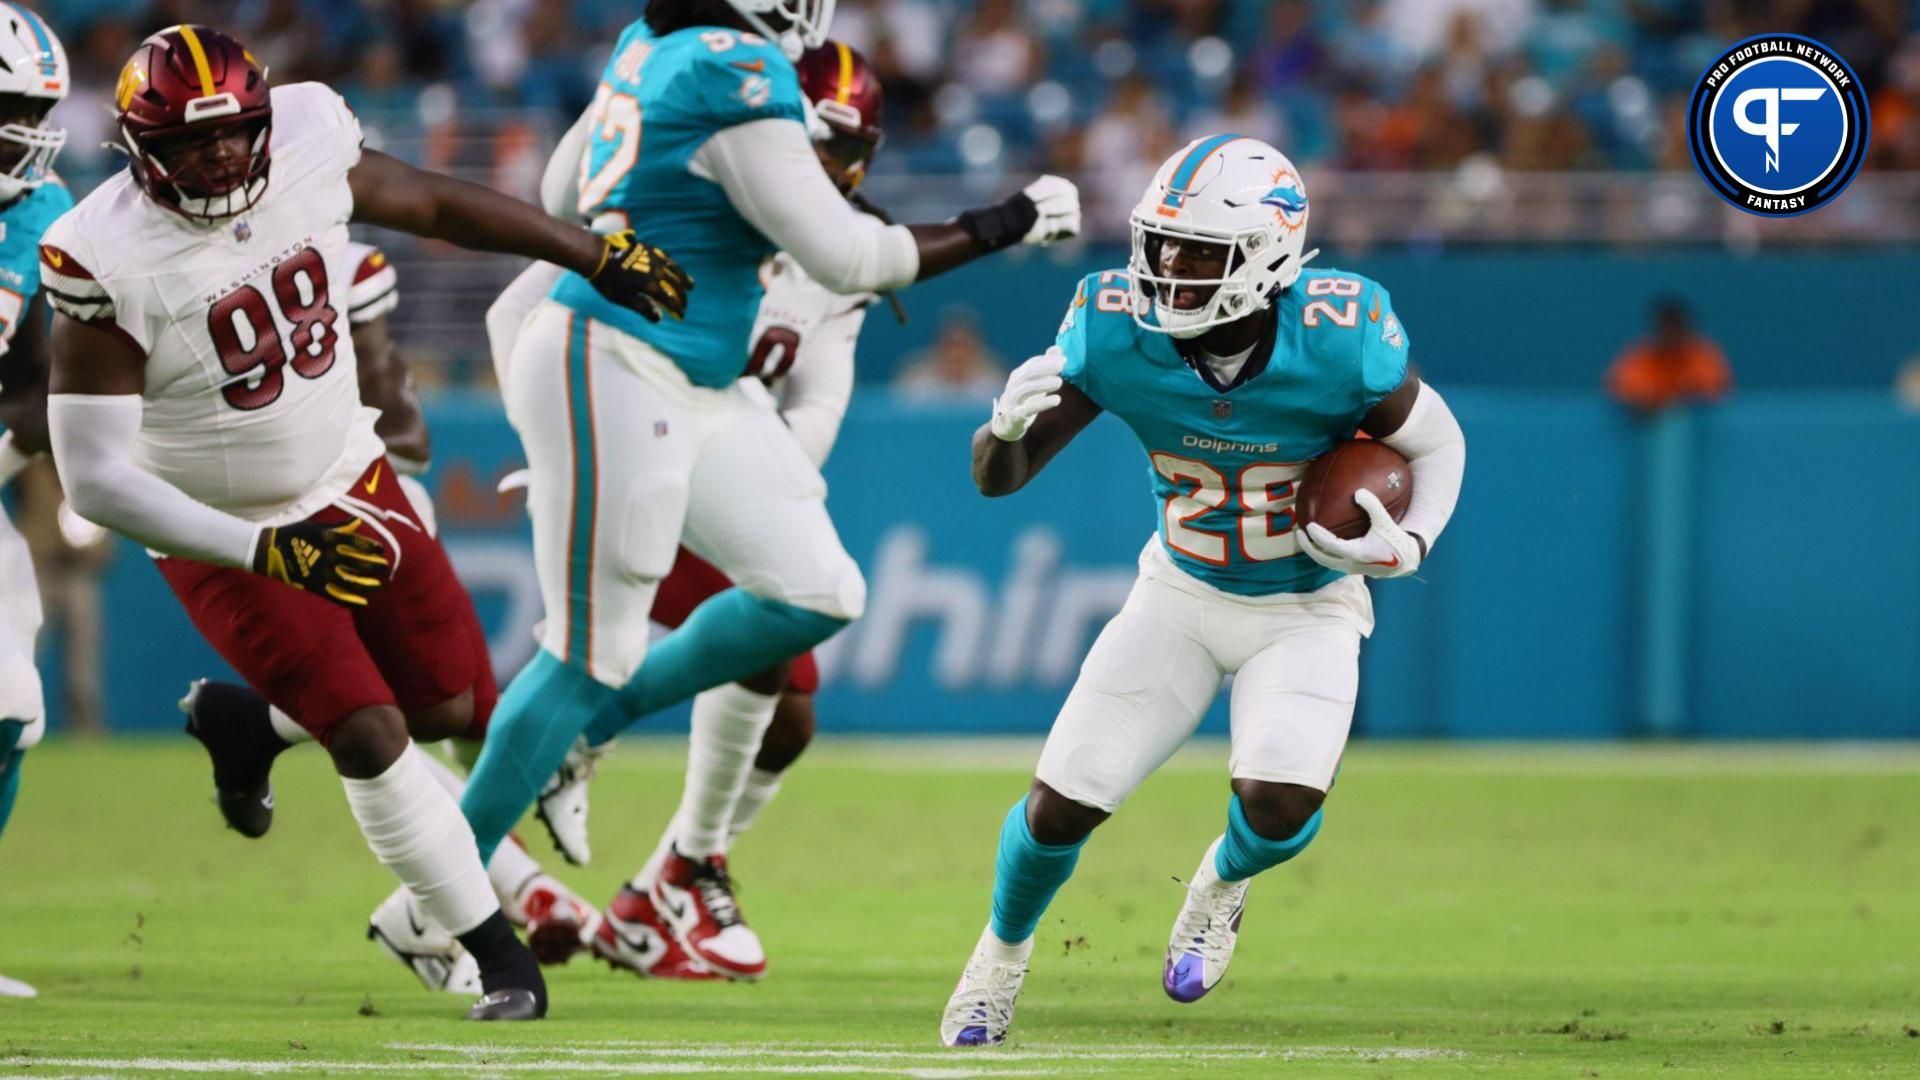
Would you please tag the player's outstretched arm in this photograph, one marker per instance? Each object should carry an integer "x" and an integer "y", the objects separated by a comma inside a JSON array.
[
  {"x": 94, "y": 410},
  {"x": 387, "y": 385},
  {"x": 390, "y": 193},
  {"x": 1033, "y": 418},
  {"x": 770, "y": 173}
]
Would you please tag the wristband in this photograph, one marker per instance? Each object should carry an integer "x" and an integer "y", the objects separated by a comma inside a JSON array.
[{"x": 996, "y": 227}]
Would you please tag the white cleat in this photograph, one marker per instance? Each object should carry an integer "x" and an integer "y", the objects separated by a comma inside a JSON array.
[
  {"x": 1204, "y": 933},
  {"x": 981, "y": 1008},
  {"x": 403, "y": 930},
  {"x": 562, "y": 806},
  {"x": 14, "y": 988}
]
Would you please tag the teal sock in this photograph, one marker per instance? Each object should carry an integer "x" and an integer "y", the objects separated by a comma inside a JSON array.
[
  {"x": 1244, "y": 853},
  {"x": 543, "y": 710},
  {"x": 10, "y": 732},
  {"x": 1026, "y": 874},
  {"x": 733, "y": 635}
]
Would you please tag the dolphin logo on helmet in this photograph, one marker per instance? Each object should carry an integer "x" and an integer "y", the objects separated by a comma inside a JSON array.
[{"x": 1287, "y": 198}]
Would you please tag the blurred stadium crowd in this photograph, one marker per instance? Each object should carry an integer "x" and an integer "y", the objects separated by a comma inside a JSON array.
[
  {"x": 1098, "y": 88},
  {"x": 1419, "y": 124}
]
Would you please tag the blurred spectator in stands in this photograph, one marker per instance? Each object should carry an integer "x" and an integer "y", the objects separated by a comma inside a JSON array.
[
  {"x": 1243, "y": 110},
  {"x": 958, "y": 367},
  {"x": 1293, "y": 55},
  {"x": 276, "y": 32},
  {"x": 995, "y": 54},
  {"x": 906, "y": 41},
  {"x": 1425, "y": 27},
  {"x": 1363, "y": 48},
  {"x": 377, "y": 89},
  {"x": 1124, "y": 145},
  {"x": 1896, "y": 113},
  {"x": 1675, "y": 364},
  {"x": 96, "y": 61}
]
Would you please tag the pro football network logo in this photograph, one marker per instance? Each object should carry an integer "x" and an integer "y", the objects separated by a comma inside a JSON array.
[{"x": 1778, "y": 125}]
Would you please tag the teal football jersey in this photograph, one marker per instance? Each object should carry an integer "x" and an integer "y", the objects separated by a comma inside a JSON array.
[
  {"x": 1224, "y": 460},
  {"x": 659, "y": 101},
  {"x": 21, "y": 227}
]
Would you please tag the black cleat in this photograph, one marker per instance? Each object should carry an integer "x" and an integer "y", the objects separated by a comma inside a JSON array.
[
  {"x": 231, "y": 722},
  {"x": 507, "y": 1005}
]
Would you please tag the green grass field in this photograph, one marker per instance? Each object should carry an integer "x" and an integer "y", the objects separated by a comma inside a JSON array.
[{"x": 1555, "y": 912}]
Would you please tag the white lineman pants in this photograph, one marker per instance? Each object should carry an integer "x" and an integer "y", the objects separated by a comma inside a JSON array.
[
  {"x": 1157, "y": 666},
  {"x": 627, "y": 460},
  {"x": 20, "y": 696}
]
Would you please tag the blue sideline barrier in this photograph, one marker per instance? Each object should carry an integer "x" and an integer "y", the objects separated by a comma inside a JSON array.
[{"x": 1790, "y": 606}]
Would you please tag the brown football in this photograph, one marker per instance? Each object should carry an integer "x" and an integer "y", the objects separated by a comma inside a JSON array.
[{"x": 1326, "y": 491}]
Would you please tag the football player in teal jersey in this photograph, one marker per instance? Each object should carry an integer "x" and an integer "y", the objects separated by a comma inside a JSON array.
[
  {"x": 1235, "y": 366},
  {"x": 33, "y": 78},
  {"x": 640, "y": 438}
]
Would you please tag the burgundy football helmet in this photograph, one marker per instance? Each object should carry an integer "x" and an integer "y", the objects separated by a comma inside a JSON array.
[
  {"x": 196, "y": 116},
  {"x": 846, "y": 93}
]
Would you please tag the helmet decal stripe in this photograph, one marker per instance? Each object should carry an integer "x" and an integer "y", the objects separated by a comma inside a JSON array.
[
  {"x": 1182, "y": 177},
  {"x": 200, "y": 65},
  {"x": 845, "y": 93},
  {"x": 40, "y": 36}
]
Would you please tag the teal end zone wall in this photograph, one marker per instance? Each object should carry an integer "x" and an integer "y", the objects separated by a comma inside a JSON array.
[
  {"x": 1543, "y": 319},
  {"x": 1795, "y": 583}
]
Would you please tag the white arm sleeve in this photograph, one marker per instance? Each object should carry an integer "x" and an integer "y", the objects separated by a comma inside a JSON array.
[
  {"x": 560, "y": 184},
  {"x": 1432, "y": 442},
  {"x": 814, "y": 395},
  {"x": 770, "y": 174},
  {"x": 93, "y": 441},
  {"x": 509, "y": 313}
]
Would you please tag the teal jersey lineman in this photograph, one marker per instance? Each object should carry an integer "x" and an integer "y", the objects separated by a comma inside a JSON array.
[
  {"x": 1224, "y": 461},
  {"x": 659, "y": 101},
  {"x": 21, "y": 226}
]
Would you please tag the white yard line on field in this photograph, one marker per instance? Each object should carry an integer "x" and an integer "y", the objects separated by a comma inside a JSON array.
[
  {"x": 1209, "y": 754},
  {"x": 876, "y": 1052},
  {"x": 253, "y": 1067},
  {"x": 707, "y": 1059}
]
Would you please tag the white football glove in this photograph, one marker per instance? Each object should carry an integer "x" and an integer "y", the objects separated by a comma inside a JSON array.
[
  {"x": 1059, "y": 204},
  {"x": 1386, "y": 551},
  {"x": 1033, "y": 388}
]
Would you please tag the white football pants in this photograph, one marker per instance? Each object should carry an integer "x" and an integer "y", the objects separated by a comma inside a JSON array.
[
  {"x": 1156, "y": 668},
  {"x": 627, "y": 460},
  {"x": 20, "y": 617}
]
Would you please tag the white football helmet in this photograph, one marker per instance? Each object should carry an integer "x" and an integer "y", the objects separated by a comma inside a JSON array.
[
  {"x": 1225, "y": 189},
  {"x": 34, "y": 66},
  {"x": 807, "y": 22}
]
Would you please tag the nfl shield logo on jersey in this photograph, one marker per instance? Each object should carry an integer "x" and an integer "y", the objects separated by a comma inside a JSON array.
[
  {"x": 1222, "y": 410},
  {"x": 242, "y": 231}
]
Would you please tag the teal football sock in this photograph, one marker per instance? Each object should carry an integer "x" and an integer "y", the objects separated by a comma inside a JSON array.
[
  {"x": 1026, "y": 874},
  {"x": 731, "y": 636},
  {"x": 543, "y": 710},
  {"x": 1244, "y": 853},
  {"x": 10, "y": 732}
]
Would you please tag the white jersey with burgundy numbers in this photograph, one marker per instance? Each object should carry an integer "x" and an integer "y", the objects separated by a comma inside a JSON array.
[
  {"x": 252, "y": 402},
  {"x": 803, "y": 341}
]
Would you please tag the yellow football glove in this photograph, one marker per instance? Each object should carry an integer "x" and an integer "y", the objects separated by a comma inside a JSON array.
[
  {"x": 641, "y": 277},
  {"x": 338, "y": 562}
]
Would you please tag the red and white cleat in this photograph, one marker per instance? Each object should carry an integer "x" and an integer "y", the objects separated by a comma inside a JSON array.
[
  {"x": 695, "y": 897},
  {"x": 633, "y": 936},
  {"x": 558, "y": 922}
]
